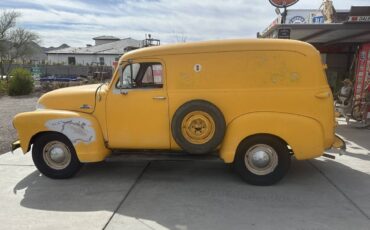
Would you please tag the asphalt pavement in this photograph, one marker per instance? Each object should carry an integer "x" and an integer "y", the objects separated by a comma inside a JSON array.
[{"x": 126, "y": 193}]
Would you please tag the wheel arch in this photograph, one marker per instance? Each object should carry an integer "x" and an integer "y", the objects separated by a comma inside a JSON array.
[
  {"x": 39, "y": 134},
  {"x": 267, "y": 135},
  {"x": 83, "y": 130}
]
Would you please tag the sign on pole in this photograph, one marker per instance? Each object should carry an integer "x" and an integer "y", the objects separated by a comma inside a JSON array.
[{"x": 283, "y": 3}]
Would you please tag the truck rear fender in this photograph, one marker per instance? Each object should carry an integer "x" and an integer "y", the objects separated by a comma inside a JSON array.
[{"x": 303, "y": 134}]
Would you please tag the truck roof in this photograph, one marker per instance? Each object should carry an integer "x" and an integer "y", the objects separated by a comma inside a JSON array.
[{"x": 222, "y": 46}]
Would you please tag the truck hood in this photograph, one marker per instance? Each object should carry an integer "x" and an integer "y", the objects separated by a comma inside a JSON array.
[{"x": 76, "y": 98}]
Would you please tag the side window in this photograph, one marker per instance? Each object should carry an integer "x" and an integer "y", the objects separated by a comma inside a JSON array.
[
  {"x": 148, "y": 76},
  {"x": 153, "y": 76},
  {"x": 126, "y": 81},
  {"x": 144, "y": 75}
]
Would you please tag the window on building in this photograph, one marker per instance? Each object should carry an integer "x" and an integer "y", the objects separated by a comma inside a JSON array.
[
  {"x": 71, "y": 60},
  {"x": 101, "y": 60}
]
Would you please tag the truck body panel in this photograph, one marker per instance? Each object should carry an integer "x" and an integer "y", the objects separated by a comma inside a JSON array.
[{"x": 274, "y": 87}]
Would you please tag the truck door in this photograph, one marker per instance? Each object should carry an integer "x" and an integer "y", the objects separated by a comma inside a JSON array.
[{"x": 137, "y": 107}]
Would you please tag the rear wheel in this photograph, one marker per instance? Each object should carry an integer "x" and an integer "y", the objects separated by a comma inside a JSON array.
[
  {"x": 55, "y": 157},
  {"x": 262, "y": 160}
]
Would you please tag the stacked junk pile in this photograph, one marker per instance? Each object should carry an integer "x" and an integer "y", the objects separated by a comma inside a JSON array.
[{"x": 342, "y": 37}]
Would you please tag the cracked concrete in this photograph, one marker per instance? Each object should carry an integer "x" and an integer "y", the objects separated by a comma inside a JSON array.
[{"x": 126, "y": 193}]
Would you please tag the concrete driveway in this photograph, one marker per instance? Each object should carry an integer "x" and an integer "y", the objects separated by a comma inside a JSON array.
[{"x": 123, "y": 193}]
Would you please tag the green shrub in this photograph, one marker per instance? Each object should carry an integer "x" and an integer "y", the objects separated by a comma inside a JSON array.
[
  {"x": 21, "y": 83},
  {"x": 3, "y": 87}
]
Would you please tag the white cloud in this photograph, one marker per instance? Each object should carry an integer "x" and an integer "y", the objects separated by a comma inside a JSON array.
[
  {"x": 76, "y": 22},
  {"x": 65, "y": 4}
]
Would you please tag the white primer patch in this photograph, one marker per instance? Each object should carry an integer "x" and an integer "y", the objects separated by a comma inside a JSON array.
[{"x": 76, "y": 129}]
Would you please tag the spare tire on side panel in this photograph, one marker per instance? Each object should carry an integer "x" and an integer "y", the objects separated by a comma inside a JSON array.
[{"x": 198, "y": 127}]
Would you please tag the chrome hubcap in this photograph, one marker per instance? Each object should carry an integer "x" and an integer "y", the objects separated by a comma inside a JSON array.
[
  {"x": 261, "y": 159},
  {"x": 56, "y": 155}
]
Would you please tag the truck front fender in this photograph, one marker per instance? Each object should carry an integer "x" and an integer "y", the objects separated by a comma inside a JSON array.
[
  {"x": 83, "y": 130},
  {"x": 303, "y": 134}
]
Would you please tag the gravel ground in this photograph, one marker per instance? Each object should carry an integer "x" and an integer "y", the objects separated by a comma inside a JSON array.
[{"x": 9, "y": 107}]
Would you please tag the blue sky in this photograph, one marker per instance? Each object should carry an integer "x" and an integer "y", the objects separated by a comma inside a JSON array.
[{"x": 76, "y": 22}]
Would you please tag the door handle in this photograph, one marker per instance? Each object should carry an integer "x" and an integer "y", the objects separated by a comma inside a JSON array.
[
  {"x": 322, "y": 95},
  {"x": 159, "y": 98},
  {"x": 85, "y": 106}
]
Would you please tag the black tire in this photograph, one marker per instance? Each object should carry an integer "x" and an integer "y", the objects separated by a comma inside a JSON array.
[
  {"x": 283, "y": 157},
  {"x": 67, "y": 169},
  {"x": 210, "y": 111},
  {"x": 356, "y": 112}
]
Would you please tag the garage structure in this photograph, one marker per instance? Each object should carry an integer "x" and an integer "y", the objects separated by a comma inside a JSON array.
[{"x": 344, "y": 43}]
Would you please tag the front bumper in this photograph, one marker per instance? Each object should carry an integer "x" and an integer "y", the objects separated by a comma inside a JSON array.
[{"x": 15, "y": 145}]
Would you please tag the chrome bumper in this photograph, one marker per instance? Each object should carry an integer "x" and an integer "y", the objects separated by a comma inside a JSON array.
[
  {"x": 15, "y": 145},
  {"x": 340, "y": 144}
]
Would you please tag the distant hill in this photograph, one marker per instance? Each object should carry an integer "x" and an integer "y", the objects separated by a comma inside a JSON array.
[
  {"x": 63, "y": 46},
  {"x": 39, "y": 52}
]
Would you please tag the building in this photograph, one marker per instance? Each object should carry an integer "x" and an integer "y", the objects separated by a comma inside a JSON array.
[
  {"x": 343, "y": 41},
  {"x": 105, "y": 39},
  {"x": 106, "y": 51}
]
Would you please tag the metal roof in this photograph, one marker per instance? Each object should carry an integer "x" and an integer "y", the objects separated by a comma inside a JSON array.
[
  {"x": 115, "y": 48},
  {"x": 345, "y": 30},
  {"x": 106, "y": 38},
  {"x": 325, "y": 33}
]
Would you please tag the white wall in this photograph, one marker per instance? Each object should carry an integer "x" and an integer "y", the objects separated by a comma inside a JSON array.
[{"x": 81, "y": 59}]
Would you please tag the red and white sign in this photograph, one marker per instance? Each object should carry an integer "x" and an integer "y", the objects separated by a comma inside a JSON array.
[
  {"x": 362, "y": 71},
  {"x": 283, "y": 3},
  {"x": 359, "y": 19}
]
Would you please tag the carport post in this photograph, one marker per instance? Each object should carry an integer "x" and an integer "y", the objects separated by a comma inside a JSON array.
[{"x": 283, "y": 15}]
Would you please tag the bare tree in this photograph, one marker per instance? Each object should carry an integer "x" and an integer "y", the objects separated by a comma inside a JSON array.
[
  {"x": 7, "y": 21},
  {"x": 15, "y": 43},
  {"x": 179, "y": 37}
]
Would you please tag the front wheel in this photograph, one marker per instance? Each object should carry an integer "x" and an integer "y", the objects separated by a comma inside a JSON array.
[
  {"x": 55, "y": 157},
  {"x": 262, "y": 160}
]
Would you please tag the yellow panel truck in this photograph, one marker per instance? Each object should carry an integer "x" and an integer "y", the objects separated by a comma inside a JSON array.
[{"x": 254, "y": 103}]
